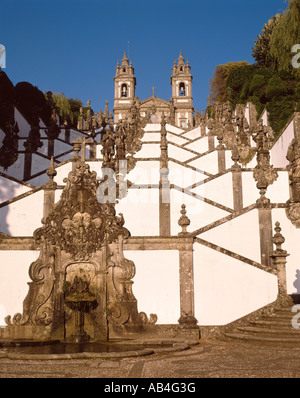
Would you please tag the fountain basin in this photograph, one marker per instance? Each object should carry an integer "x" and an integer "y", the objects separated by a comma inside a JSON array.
[{"x": 47, "y": 350}]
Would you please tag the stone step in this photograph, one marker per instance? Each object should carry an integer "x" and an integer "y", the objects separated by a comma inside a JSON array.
[
  {"x": 279, "y": 317},
  {"x": 270, "y": 332},
  {"x": 272, "y": 324},
  {"x": 294, "y": 341},
  {"x": 284, "y": 311}
]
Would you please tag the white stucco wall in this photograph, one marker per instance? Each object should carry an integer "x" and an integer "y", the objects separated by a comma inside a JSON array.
[
  {"x": 227, "y": 289},
  {"x": 208, "y": 163},
  {"x": 200, "y": 145},
  {"x": 17, "y": 169},
  {"x": 240, "y": 235},
  {"x": 9, "y": 189},
  {"x": 14, "y": 268},
  {"x": 156, "y": 283},
  {"x": 24, "y": 126},
  {"x": 22, "y": 217},
  {"x": 280, "y": 148}
]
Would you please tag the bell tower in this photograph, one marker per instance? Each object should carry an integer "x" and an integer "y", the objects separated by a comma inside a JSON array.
[
  {"x": 125, "y": 83},
  {"x": 181, "y": 81}
]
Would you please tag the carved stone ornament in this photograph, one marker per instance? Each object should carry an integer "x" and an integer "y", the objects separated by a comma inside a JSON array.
[
  {"x": 78, "y": 223},
  {"x": 264, "y": 173},
  {"x": 293, "y": 213},
  {"x": 81, "y": 272}
]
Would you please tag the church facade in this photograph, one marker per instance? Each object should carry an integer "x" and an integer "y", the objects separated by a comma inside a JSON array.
[{"x": 178, "y": 111}]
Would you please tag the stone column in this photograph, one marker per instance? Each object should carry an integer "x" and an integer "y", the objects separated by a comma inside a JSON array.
[
  {"x": 221, "y": 154},
  {"x": 49, "y": 190},
  {"x": 265, "y": 229},
  {"x": 164, "y": 185},
  {"x": 265, "y": 175},
  {"x": 203, "y": 129},
  {"x": 279, "y": 262},
  {"x": 221, "y": 160},
  {"x": 237, "y": 185},
  {"x": 186, "y": 275},
  {"x": 211, "y": 141}
]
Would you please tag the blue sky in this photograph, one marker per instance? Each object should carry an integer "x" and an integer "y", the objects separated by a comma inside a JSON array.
[{"x": 72, "y": 46}]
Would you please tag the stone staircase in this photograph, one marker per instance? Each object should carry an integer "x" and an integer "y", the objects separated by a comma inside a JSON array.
[{"x": 275, "y": 328}]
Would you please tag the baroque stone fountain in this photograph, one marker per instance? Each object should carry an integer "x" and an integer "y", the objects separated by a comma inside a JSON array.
[{"x": 81, "y": 284}]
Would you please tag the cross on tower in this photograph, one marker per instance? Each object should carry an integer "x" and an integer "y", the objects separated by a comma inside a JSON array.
[{"x": 153, "y": 88}]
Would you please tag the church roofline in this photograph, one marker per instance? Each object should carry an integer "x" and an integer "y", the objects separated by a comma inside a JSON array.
[{"x": 155, "y": 99}]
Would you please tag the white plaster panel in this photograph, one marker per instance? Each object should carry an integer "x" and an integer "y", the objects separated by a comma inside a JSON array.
[
  {"x": 278, "y": 192},
  {"x": 141, "y": 211},
  {"x": 95, "y": 166},
  {"x": 179, "y": 153},
  {"x": 17, "y": 169},
  {"x": 39, "y": 164},
  {"x": 199, "y": 146},
  {"x": 98, "y": 151},
  {"x": 199, "y": 212},
  {"x": 192, "y": 134},
  {"x": 13, "y": 282},
  {"x": 61, "y": 147},
  {"x": 145, "y": 172},
  {"x": 175, "y": 139},
  {"x": 228, "y": 160},
  {"x": 65, "y": 157},
  {"x": 24, "y": 126},
  {"x": 22, "y": 217},
  {"x": 227, "y": 289},
  {"x": 74, "y": 134},
  {"x": 240, "y": 235},
  {"x": 250, "y": 192},
  {"x": 152, "y": 127},
  {"x": 149, "y": 137},
  {"x": 156, "y": 283},
  {"x": 44, "y": 149},
  {"x": 9, "y": 189},
  {"x": 39, "y": 180},
  {"x": 280, "y": 148},
  {"x": 62, "y": 172},
  {"x": 174, "y": 129},
  {"x": 57, "y": 195},
  {"x": 184, "y": 177},
  {"x": 218, "y": 190},
  {"x": 208, "y": 163},
  {"x": 149, "y": 151}
]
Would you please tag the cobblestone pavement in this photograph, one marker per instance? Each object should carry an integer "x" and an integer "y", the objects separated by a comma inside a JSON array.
[{"x": 209, "y": 359}]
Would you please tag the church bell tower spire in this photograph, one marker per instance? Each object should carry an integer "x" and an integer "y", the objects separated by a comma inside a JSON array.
[
  {"x": 181, "y": 81},
  {"x": 125, "y": 83}
]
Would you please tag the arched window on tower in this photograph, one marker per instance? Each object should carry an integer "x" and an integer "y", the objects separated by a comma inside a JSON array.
[
  {"x": 124, "y": 90},
  {"x": 182, "y": 89}
]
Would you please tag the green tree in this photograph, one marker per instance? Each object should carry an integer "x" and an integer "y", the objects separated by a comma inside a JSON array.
[
  {"x": 218, "y": 83},
  {"x": 65, "y": 112},
  {"x": 261, "y": 49},
  {"x": 75, "y": 105},
  {"x": 275, "y": 88},
  {"x": 256, "y": 83},
  {"x": 285, "y": 35}
]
